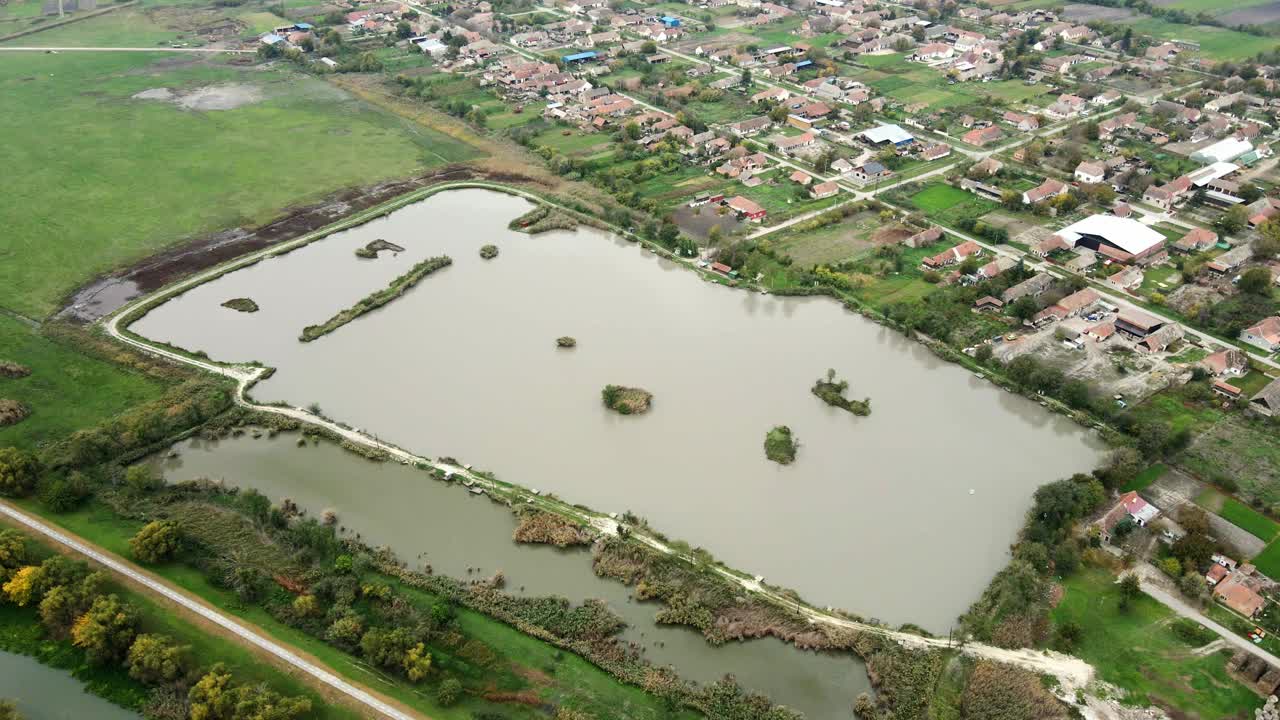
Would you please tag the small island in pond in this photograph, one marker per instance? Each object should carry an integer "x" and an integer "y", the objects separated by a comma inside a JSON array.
[
  {"x": 626, "y": 400},
  {"x": 489, "y": 252},
  {"x": 370, "y": 251},
  {"x": 780, "y": 445},
  {"x": 832, "y": 393},
  {"x": 565, "y": 341},
  {"x": 246, "y": 305}
]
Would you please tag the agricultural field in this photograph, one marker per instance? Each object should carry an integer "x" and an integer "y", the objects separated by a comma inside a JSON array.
[
  {"x": 948, "y": 204},
  {"x": 149, "y": 173},
  {"x": 1215, "y": 43},
  {"x": 54, "y": 391},
  {"x": 1139, "y": 651},
  {"x": 1239, "y": 514},
  {"x": 895, "y": 77},
  {"x": 1243, "y": 449}
]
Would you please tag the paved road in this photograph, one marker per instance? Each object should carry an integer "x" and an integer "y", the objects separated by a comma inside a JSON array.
[
  {"x": 1152, "y": 579},
  {"x": 6, "y": 48},
  {"x": 288, "y": 656}
]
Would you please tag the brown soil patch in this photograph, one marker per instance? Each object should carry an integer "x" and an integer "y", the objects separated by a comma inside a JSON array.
[
  {"x": 13, "y": 370},
  {"x": 891, "y": 236},
  {"x": 12, "y": 412},
  {"x": 1257, "y": 15}
]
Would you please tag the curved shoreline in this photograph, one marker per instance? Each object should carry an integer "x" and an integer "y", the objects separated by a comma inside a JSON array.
[{"x": 1071, "y": 673}]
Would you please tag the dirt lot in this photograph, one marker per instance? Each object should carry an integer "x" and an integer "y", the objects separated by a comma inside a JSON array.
[
  {"x": 1113, "y": 367},
  {"x": 699, "y": 221},
  {"x": 1081, "y": 13},
  {"x": 1017, "y": 227},
  {"x": 1256, "y": 15},
  {"x": 210, "y": 97},
  {"x": 1188, "y": 299}
]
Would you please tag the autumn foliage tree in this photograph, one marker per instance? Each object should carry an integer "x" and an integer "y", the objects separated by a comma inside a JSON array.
[
  {"x": 154, "y": 659},
  {"x": 156, "y": 541},
  {"x": 107, "y": 630},
  {"x": 18, "y": 472}
]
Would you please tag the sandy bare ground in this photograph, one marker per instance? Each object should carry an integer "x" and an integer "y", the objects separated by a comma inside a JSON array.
[{"x": 209, "y": 97}]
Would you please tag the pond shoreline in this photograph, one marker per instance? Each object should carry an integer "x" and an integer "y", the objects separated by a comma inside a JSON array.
[{"x": 246, "y": 376}]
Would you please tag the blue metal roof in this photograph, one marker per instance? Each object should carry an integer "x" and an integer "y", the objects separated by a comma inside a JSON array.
[
  {"x": 303, "y": 26},
  {"x": 579, "y": 56},
  {"x": 803, "y": 63}
]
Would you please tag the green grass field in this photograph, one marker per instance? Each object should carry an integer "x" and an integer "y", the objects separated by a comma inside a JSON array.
[
  {"x": 56, "y": 388},
  {"x": 1239, "y": 514},
  {"x": 1137, "y": 651},
  {"x": 1145, "y": 478},
  {"x": 1215, "y": 43},
  {"x": 1268, "y": 561},
  {"x": 106, "y": 179},
  {"x": 939, "y": 197}
]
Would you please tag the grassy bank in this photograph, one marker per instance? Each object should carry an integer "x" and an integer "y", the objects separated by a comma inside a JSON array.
[
  {"x": 1139, "y": 651},
  {"x": 21, "y": 632},
  {"x": 149, "y": 173},
  {"x": 56, "y": 388}
]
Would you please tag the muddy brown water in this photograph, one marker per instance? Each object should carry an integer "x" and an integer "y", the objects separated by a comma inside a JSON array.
[
  {"x": 430, "y": 523},
  {"x": 902, "y": 516},
  {"x": 45, "y": 693}
]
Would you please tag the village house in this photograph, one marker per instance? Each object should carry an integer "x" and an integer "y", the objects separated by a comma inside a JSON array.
[
  {"x": 1267, "y": 401},
  {"x": 1032, "y": 286},
  {"x": 935, "y": 152},
  {"x": 1240, "y": 591},
  {"x": 1091, "y": 172},
  {"x": 988, "y": 304},
  {"x": 1047, "y": 190},
  {"x": 924, "y": 238},
  {"x": 1070, "y": 306},
  {"x": 870, "y": 172},
  {"x": 1024, "y": 123},
  {"x": 1196, "y": 240},
  {"x": 1232, "y": 362},
  {"x": 979, "y": 137},
  {"x": 1265, "y": 335},
  {"x": 1127, "y": 279},
  {"x": 801, "y": 177},
  {"x": 823, "y": 190},
  {"x": 953, "y": 256},
  {"x": 1161, "y": 339},
  {"x": 1231, "y": 260},
  {"x": 1129, "y": 506},
  {"x": 1222, "y": 388},
  {"x": 747, "y": 208}
]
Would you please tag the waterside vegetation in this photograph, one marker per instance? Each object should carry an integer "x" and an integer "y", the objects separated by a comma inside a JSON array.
[
  {"x": 780, "y": 445},
  {"x": 626, "y": 400},
  {"x": 832, "y": 391},
  {"x": 375, "y": 300},
  {"x": 245, "y": 305}
]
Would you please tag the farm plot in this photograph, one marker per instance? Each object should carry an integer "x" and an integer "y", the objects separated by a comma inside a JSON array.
[{"x": 832, "y": 244}]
